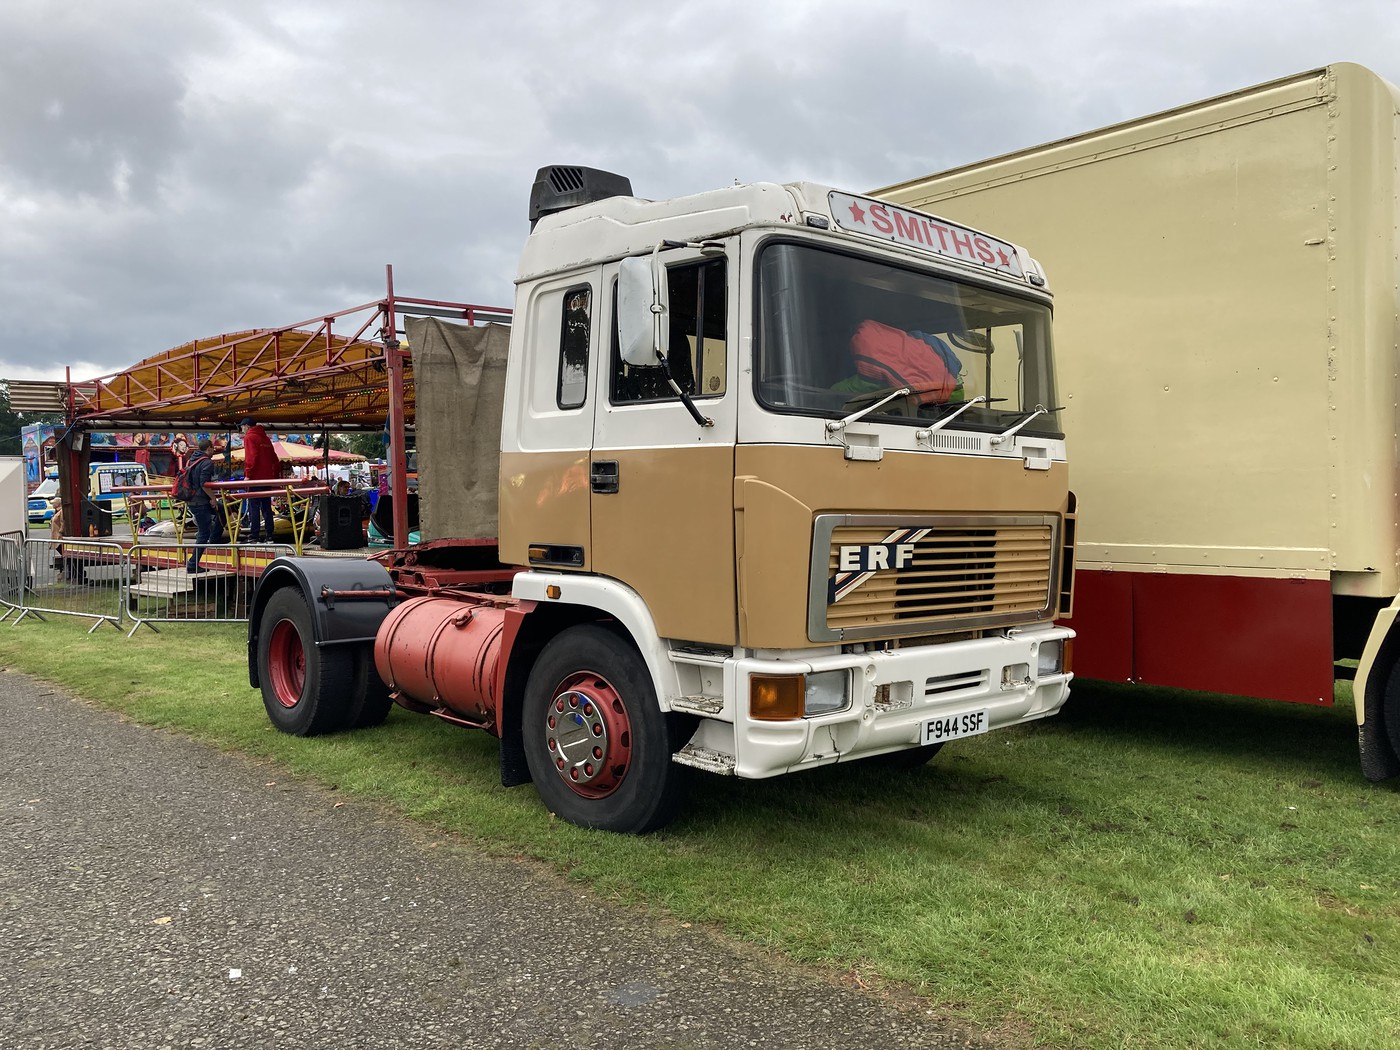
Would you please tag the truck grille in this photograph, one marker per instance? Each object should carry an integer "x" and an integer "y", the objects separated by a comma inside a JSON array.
[{"x": 883, "y": 577}]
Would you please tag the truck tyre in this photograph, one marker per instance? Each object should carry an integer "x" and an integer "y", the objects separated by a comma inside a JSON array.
[
  {"x": 369, "y": 698},
  {"x": 305, "y": 690},
  {"x": 596, "y": 742},
  {"x": 1391, "y": 706}
]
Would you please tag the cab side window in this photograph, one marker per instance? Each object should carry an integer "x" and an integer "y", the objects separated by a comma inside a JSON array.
[
  {"x": 695, "y": 338},
  {"x": 572, "y": 389}
]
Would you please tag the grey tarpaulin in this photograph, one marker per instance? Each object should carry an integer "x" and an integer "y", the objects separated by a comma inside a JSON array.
[{"x": 459, "y": 378}]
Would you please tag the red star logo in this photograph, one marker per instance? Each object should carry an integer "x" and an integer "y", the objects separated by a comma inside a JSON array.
[
  {"x": 858, "y": 213},
  {"x": 1005, "y": 259}
]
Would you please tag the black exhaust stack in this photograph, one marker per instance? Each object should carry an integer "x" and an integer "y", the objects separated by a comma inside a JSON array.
[{"x": 560, "y": 187}]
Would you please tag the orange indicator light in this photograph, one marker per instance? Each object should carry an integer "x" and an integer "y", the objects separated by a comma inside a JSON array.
[{"x": 774, "y": 697}]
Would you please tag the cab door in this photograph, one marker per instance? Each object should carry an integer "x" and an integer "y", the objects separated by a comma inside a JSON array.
[
  {"x": 661, "y": 486},
  {"x": 547, "y": 425}
]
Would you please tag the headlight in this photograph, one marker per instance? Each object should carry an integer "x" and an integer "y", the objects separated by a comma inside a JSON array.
[
  {"x": 827, "y": 692},
  {"x": 1050, "y": 659}
]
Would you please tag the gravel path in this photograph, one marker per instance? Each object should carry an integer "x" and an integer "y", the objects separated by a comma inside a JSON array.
[{"x": 156, "y": 893}]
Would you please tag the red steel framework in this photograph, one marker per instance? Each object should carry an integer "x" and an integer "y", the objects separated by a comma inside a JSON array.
[{"x": 303, "y": 375}]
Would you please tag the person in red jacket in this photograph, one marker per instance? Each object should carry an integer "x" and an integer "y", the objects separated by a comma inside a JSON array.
[{"x": 259, "y": 464}]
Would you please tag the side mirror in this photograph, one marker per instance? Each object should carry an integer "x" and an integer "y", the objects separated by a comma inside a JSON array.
[{"x": 636, "y": 327}]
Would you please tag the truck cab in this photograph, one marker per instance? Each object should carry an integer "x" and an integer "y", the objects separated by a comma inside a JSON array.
[{"x": 834, "y": 510}]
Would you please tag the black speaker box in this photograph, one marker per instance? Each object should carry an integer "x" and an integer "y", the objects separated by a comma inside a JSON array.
[
  {"x": 340, "y": 523},
  {"x": 93, "y": 519}
]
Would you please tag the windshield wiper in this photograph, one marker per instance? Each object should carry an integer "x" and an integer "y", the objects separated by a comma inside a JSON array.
[
  {"x": 834, "y": 426},
  {"x": 1039, "y": 410},
  {"x": 942, "y": 421}
]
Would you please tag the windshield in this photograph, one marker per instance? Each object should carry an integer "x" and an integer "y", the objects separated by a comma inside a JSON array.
[
  {"x": 839, "y": 332},
  {"x": 48, "y": 487}
]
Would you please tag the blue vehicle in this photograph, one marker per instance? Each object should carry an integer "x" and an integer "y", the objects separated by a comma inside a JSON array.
[{"x": 40, "y": 510}]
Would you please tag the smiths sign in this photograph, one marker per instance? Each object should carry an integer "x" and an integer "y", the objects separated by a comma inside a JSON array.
[
  {"x": 857, "y": 562},
  {"x": 923, "y": 232}
]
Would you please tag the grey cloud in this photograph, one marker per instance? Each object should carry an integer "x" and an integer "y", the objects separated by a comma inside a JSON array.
[{"x": 91, "y": 105}]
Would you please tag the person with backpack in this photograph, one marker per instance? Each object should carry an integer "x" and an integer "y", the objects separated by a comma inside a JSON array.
[
  {"x": 191, "y": 487},
  {"x": 259, "y": 464}
]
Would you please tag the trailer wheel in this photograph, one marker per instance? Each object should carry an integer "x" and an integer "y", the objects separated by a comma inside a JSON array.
[
  {"x": 1391, "y": 707},
  {"x": 305, "y": 689},
  {"x": 369, "y": 699},
  {"x": 596, "y": 742},
  {"x": 909, "y": 758}
]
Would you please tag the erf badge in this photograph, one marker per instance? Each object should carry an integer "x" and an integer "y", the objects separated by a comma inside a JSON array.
[
  {"x": 868, "y": 557},
  {"x": 857, "y": 562}
]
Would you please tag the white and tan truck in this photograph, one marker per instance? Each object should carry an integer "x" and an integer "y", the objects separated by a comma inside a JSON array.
[
  {"x": 781, "y": 484},
  {"x": 1229, "y": 301}
]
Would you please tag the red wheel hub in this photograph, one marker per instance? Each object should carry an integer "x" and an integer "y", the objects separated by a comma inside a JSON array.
[
  {"x": 588, "y": 734},
  {"x": 286, "y": 663}
]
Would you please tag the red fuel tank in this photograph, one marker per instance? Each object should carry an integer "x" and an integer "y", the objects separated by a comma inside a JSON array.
[{"x": 443, "y": 652}]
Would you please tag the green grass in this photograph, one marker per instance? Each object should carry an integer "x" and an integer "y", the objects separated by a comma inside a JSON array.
[{"x": 1150, "y": 869}]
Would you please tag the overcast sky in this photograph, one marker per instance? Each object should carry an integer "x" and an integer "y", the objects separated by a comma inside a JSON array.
[{"x": 172, "y": 169}]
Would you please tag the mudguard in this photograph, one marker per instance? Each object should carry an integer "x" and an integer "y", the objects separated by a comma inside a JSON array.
[{"x": 334, "y": 621}]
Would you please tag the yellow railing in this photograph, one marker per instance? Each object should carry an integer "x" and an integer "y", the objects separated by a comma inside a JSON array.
[{"x": 300, "y": 497}]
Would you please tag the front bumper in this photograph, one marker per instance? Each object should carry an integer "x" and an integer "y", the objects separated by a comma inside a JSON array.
[{"x": 892, "y": 695}]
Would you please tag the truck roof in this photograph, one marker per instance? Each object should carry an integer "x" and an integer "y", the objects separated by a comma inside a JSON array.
[{"x": 622, "y": 226}]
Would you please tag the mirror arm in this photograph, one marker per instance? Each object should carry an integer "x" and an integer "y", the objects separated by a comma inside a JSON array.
[{"x": 701, "y": 421}]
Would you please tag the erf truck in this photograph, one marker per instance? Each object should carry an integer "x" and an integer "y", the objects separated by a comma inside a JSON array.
[
  {"x": 781, "y": 484},
  {"x": 1228, "y": 289}
]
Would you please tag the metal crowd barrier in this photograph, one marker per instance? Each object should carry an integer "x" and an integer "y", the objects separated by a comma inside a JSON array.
[
  {"x": 73, "y": 577},
  {"x": 160, "y": 587},
  {"x": 144, "y": 584},
  {"x": 11, "y": 573}
]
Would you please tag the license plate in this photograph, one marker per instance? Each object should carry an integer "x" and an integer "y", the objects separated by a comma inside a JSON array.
[{"x": 953, "y": 727}]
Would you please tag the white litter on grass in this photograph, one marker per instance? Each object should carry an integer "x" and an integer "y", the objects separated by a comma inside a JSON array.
[{"x": 234, "y": 975}]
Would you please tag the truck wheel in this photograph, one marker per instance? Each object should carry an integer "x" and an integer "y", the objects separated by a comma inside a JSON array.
[
  {"x": 596, "y": 742},
  {"x": 909, "y": 758},
  {"x": 1391, "y": 705},
  {"x": 369, "y": 698},
  {"x": 305, "y": 689}
]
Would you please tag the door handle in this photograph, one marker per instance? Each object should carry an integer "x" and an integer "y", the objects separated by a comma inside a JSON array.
[{"x": 603, "y": 476}]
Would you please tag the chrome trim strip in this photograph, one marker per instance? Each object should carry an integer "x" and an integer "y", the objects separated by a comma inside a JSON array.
[{"x": 824, "y": 525}]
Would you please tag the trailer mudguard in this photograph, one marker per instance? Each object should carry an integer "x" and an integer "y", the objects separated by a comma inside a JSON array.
[{"x": 335, "y": 620}]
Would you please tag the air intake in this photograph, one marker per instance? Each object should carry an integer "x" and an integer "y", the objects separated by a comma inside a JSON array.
[{"x": 560, "y": 187}]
